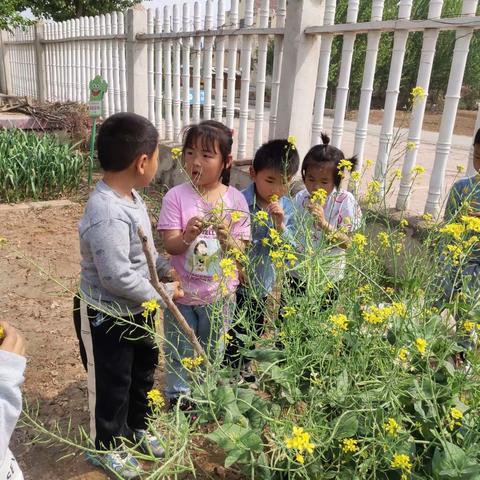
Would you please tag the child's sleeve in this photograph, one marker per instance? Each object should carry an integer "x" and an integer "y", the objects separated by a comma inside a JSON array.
[
  {"x": 12, "y": 367},
  {"x": 241, "y": 228},
  {"x": 350, "y": 215},
  {"x": 453, "y": 203},
  {"x": 113, "y": 263},
  {"x": 290, "y": 232},
  {"x": 170, "y": 217}
]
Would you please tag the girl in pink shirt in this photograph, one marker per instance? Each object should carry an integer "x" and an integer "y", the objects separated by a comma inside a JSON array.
[{"x": 201, "y": 221}]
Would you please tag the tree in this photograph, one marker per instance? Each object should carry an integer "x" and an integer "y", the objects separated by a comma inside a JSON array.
[
  {"x": 61, "y": 10},
  {"x": 10, "y": 15}
]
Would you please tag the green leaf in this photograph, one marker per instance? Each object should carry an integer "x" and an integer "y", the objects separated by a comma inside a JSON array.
[
  {"x": 345, "y": 426},
  {"x": 265, "y": 355},
  {"x": 231, "y": 436}
]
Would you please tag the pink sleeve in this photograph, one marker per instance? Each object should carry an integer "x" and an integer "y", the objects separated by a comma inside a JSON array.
[
  {"x": 170, "y": 217},
  {"x": 241, "y": 229}
]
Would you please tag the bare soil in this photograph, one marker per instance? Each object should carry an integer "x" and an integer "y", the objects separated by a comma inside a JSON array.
[
  {"x": 42, "y": 245},
  {"x": 464, "y": 123}
]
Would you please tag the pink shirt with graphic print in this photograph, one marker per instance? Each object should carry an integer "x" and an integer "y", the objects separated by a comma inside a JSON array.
[{"x": 199, "y": 265}]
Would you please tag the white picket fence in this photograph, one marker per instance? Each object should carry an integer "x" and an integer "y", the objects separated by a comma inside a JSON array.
[{"x": 176, "y": 69}]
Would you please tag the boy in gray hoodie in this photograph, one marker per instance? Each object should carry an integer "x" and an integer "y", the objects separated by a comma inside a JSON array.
[{"x": 119, "y": 355}]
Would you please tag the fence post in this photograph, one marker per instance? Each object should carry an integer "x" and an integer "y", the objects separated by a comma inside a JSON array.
[
  {"x": 299, "y": 71},
  {"x": 40, "y": 63},
  {"x": 136, "y": 62},
  {"x": 5, "y": 63}
]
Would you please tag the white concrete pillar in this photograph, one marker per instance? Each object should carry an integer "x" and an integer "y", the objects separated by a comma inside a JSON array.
[
  {"x": 136, "y": 62},
  {"x": 299, "y": 71},
  {"x": 40, "y": 62}
]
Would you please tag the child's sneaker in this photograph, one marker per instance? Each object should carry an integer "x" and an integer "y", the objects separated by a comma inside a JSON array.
[
  {"x": 120, "y": 462},
  {"x": 148, "y": 443}
]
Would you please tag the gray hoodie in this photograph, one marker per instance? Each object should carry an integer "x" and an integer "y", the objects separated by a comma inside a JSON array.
[
  {"x": 12, "y": 367},
  {"x": 114, "y": 270}
]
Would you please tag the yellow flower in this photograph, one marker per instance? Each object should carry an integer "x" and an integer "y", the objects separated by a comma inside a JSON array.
[
  {"x": 427, "y": 217},
  {"x": 349, "y": 445},
  {"x": 238, "y": 255},
  {"x": 468, "y": 326},
  {"x": 471, "y": 223},
  {"x": 397, "y": 173},
  {"x": 456, "y": 230},
  {"x": 384, "y": 239},
  {"x": 344, "y": 164},
  {"x": 453, "y": 251},
  {"x": 226, "y": 338},
  {"x": 377, "y": 315},
  {"x": 421, "y": 345},
  {"x": 373, "y": 191},
  {"x": 150, "y": 307},
  {"x": 319, "y": 196},
  {"x": 460, "y": 168},
  {"x": 411, "y": 145},
  {"x": 236, "y": 216},
  {"x": 2, "y": 333},
  {"x": 176, "y": 153},
  {"x": 273, "y": 198},
  {"x": 274, "y": 236},
  {"x": 418, "y": 93},
  {"x": 355, "y": 176},
  {"x": 402, "y": 462},
  {"x": 265, "y": 242},
  {"x": 417, "y": 170},
  {"x": 391, "y": 427},
  {"x": 192, "y": 363},
  {"x": 455, "y": 417},
  {"x": 299, "y": 458},
  {"x": 389, "y": 291},
  {"x": 404, "y": 222},
  {"x": 261, "y": 217},
  {"x": 399, "y": 309},
  {"x": 403, "y": 355},
  {"x": 299, "y": 441},
  {"x": 288, "y": 311},
  {"x": 359, "y": 241},
  {"x": 368, "y": 162},
  {"x": 229, "y": 269},
  {"x": 292, "y": 140},
  {"x": 340, "y": 322},
  {"x": 155, "y": 399}
]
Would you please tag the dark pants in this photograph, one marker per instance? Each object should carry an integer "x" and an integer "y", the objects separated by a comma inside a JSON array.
[
  {"x": 120, "y": 360},
  {"x": 255, "y": 325}
]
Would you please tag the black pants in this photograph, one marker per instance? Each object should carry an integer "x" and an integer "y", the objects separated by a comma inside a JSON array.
[
  {"x": 255, "y": 315},
  {"x": 120, "y": 360}
]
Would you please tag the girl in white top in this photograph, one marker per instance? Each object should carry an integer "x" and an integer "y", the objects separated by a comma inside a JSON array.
[{"x": 334, "y": 210}]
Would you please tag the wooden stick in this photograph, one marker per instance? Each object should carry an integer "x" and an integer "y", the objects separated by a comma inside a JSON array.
[{"x": 168, "y": 301}]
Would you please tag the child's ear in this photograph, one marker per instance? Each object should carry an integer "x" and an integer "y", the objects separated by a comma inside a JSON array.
[
  {"x": 252, "y": 173},
  {"x": 229, "y": 162},
  {"x": 140, "y": 163}
]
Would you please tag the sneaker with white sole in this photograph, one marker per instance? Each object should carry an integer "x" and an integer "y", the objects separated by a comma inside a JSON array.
[
  {"x": 119, "y": 462},
  {"x": 149, "y": 443}
]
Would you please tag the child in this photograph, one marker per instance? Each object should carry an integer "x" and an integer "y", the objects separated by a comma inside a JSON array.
[
  {"x": 198, "y": 240},
  {"x": 12, "y": 366},
  {"x": 322, "y": 169},
  {"x": 120, "y": 357},
  {"x": 465, "y": 190},
  {"x": 273, "y": 167}
]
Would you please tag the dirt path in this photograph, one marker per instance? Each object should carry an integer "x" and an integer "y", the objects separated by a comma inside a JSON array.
[{"x": 41, "y": 310}]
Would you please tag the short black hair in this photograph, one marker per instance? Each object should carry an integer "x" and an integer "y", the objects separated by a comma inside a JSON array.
[
  {"x": 211, "y": 132},
  {"x": 324, "y": 153},
  {"x": 279, "y": 155},
  {"x": 122, "y": 138},
  {"x": 477, "y": 137}
]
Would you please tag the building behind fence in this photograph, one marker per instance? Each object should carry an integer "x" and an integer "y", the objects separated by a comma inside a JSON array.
[{"x": 176, "y": 67}]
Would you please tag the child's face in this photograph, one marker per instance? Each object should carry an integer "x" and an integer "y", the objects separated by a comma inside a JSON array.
[
  {"x": 321, "y": 176},
  {"x": 269, "y": 182},
  {"x": 204, "y": 167},
  {"x": 476, "y": 157}
]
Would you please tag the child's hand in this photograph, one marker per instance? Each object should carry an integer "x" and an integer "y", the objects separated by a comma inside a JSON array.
[
  {"x": 193, "y": 229},
  {"x": 278, "y": 215},
  {"x": 223, "y": 233},
  {"x": 318, "y": 213},
  {"x": 177, "y": 289},
  {"x": 12, "y": 342}
]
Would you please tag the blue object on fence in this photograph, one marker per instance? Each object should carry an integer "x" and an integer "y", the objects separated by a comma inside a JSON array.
[{"x": 202, "y": 96}]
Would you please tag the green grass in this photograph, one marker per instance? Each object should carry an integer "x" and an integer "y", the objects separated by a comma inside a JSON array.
[{"x": 37, "y": 167}]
